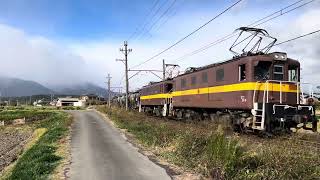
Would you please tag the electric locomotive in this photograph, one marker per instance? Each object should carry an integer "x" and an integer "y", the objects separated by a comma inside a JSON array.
[{"x": 259, "y": 90}]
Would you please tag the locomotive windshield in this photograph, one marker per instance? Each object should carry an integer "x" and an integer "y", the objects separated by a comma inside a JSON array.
[
  {"x": 293, "y": 73},
  {"x": 262, "y": 70}
]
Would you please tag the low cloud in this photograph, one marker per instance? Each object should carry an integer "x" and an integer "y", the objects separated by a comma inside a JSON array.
[
  {"x": 54, "y": 63},
  {"x": 39, "y": 59}
]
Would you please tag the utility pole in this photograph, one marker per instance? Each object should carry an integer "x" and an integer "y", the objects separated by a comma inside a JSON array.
[
  {"x": 126, "y": 51},
  {"x": 109, "y": 90},
  {"x": 164, "y": 70}
]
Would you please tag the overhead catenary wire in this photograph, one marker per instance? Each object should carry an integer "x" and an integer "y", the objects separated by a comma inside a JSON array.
[
  {"x": 145, "y": 20},
  {"x": 160, "y": 17},
  {"x": 170, "y": 16},
  {"x": 151, "y": 19},
  {"x": 190, "y": 34},
  {"x": 298, "y": 37},
  {"x": 283, "y": 13},
  {"x": 259, "y": 22}
]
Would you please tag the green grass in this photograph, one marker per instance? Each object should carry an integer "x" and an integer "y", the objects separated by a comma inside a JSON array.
[
  {"x": 7, "y": 115},
  {"x": 204, "y": 148},
  {"x": 40, "y": 160}
]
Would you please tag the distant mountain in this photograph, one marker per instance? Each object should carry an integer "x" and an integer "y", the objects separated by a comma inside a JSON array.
[
  {"x": 81, "y": 89},
  {"x": 13, "y": 87}
]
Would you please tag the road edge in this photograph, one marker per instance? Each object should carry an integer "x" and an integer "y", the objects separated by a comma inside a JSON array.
[{"x": 173, "y": 171}]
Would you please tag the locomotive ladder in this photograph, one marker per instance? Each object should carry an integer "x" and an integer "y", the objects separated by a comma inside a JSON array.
[{"x": 258, "y": 111}]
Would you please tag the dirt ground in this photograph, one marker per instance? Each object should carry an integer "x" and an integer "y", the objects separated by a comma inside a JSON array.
[{"x": 12, "y": 141}]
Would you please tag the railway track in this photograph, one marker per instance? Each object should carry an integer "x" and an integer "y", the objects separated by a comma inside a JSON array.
[{"x": 311, "y": 143}]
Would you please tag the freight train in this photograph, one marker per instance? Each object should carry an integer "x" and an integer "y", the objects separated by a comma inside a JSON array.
[{"x": 258, "y": 90}]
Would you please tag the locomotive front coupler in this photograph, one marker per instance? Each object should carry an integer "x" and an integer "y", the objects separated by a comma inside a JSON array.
[{"x": 289, "y": 116}]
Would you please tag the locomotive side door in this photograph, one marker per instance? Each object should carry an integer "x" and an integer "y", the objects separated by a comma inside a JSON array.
[{"x": 243, "y": 96}]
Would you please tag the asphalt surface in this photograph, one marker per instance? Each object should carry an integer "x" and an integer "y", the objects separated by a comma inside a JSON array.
[{"x": 100, "y": 151}]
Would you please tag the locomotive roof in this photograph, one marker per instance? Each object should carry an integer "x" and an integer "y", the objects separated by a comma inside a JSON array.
[
  {"x": 236, "y": 58},
  {"x": 158, "y": 82}
]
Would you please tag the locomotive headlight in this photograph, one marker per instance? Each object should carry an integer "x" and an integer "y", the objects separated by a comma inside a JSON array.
[{"x": 279, "y": 56}]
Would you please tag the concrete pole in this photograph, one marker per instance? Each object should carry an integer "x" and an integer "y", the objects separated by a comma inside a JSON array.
[
  {"x": 109, "y": 90},
  {"x": 127, "y": 78},
  {"x": 164, "y": 70},
  {"x": 126, "y": 51}
]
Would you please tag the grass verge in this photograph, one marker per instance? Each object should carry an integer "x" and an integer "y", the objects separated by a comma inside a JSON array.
[
  {"x": 204, "y": 148},
  {"x": 40, "y": 160}
]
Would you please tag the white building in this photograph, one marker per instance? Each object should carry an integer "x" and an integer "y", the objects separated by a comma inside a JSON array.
[{"x": 71, "y": 102}]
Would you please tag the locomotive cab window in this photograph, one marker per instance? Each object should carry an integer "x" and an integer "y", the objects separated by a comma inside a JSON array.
[
  {"x": 193, "y": 80},
  {"x": 261, "y": 70},
  {"x": 169, "y": 87},
  {"x": 183, "y": 83},
  {"x": 220, "y": 75},
  {"x": 293, "y": 73},
  {"x": 242, "y": 72},
  {"x": 278, "y": 72},
  {"x": 205, "y": 77}
]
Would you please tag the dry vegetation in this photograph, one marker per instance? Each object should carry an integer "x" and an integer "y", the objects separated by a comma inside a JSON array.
[{"x": 218, "y": 153}]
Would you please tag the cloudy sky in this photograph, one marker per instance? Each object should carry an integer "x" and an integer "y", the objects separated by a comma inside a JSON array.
[{"x": 73, "y": 41}]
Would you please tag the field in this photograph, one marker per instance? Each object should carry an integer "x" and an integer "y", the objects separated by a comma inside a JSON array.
[
  {"x": 214, "y": 151},
  {"x": 12, "y": 141},
  {"x": 38, "y": 142},
  {"x": 30, "y": 115}
]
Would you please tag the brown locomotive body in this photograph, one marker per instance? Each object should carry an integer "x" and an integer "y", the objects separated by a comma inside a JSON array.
[
  {"x": 259, "y": 90},
  {"x": 231, "y": 84},
  {"x": 266, "y": 86}
]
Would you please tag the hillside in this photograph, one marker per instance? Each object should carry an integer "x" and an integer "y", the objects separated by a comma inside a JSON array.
[
  {"x": 10, "y": 87},
  {"x": 14, "y": 87},
  {"x": 80, "y": 89}
]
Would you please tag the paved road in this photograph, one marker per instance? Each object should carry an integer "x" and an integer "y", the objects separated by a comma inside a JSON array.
[{"x": 99, "y": 151}]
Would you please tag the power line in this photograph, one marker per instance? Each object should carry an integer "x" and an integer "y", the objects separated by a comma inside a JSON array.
[
  {"x": 148, "y": 14},
  {"x": 190, "y": 34},
  {"x": 153, "y": 16},
  {"x": 283, "y": 13},
  {"x": 160, "y": 17},
  {"x": 264, "y": 19},
  {"x": 227, "y": 37},
  {"x": 298, "y": 37},
  {"x": 270, "y": 15},
  {"x": 170, "y": 16}
]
